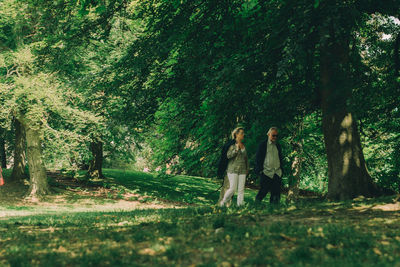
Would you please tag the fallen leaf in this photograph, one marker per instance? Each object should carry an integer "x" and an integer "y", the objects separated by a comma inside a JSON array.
[
  {"x": 61, "y": 249},
  {"x": 329, "y": 246},
  {"x": 377, "y": 251},
  {"x": 225, "y": 264},
  {"x": 211, "y": 249},
  {"x": 288, "y": 238},
  {"x": 147, "y": 251},
  {"x": 219, "y": 230}
]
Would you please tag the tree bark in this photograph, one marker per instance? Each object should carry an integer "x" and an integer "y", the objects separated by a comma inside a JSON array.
[
  {"x": 96, "y": 164},
  {"x": 293, "y": 193},
  {"x": 347, "y": 171},
  {"x": 397, "y": 55},
  {"x": 38, "y": 178},
  {"x": 3, "y": 155},
  {"x": 348, "y": 175},
  {"x": 18, "y": 172}
]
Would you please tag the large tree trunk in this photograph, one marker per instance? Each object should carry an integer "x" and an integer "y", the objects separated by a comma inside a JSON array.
[
  {"x": 96, "y": 164},
  {"x": 3, "y": 155},
  {"x": 18, "y": 172},
  {"x": 38, "y": 179},
  {"x": 348, "y": 175}
]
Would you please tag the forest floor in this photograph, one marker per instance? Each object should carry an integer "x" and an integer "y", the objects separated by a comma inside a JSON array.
[{"x": 136, "y": 219}]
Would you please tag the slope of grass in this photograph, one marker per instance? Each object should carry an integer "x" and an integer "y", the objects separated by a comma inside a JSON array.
[{"x": 187, "y": 189}]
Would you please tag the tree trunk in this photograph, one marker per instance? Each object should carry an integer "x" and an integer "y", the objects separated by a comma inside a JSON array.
[
  {"x": 96, "y": 164},
  {"x": 18, "y": 172},
  {"x": 293, "y": 193},
  {"x": 3, "y": 155},
  {"x": 38, "y": 179},
  {"x": 348, "y": 175}
]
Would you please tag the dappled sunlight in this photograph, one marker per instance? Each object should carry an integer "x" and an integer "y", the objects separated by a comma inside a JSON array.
[
  {"x": 108, "y": 107},
  {"x": 388, "y": 207},
  {"x": 345, "y": 140},
  {"x": 346, "y": 161},
  {"x": 159, "y": 219},
  {"x": 347, "y": 121},
  {"x": 81, "y": 202},
  {"x": 81, "y": 206},
  {"x": 166, "y": 235}
]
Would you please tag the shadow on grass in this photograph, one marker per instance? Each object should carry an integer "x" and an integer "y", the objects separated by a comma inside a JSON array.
[
  {"x": 192, "y": 190},
  {"x": 202, "y": 236}
]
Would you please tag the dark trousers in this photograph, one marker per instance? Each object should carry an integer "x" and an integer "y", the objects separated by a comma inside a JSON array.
[{"x": 268, "y": 184}]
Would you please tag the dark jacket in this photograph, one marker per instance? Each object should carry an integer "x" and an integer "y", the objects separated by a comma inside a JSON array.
[
  {"x": 223, "y": 160},
  {"x": 260, "y": 157}
]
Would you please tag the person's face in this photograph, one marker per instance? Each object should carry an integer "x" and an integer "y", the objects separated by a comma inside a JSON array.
[
  {"x": 240, "y": 135},
  {"x": 273, "y": 135}
]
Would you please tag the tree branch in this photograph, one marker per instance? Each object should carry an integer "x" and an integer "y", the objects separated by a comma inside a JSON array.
[{"x": 396, "y": 55}]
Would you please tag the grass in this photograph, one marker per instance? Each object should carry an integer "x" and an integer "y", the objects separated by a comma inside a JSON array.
[
  {"x": 180, "y": 188},
  {"x": 363, "y": 232}
]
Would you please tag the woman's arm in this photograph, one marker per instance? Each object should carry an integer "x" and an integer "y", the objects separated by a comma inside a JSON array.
[
  {"x": 232, "y": 151},
  {"x": 246, "y": 158}
]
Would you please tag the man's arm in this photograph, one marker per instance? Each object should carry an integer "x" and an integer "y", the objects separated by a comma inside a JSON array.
[
  {"x": 259, "y": 155},
  {"x": 281, "y": 158}
]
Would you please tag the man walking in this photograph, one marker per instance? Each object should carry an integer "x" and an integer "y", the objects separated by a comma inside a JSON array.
[{"x": 269, "y": 167}]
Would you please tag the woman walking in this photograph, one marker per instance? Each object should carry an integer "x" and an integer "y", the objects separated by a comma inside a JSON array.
[{"x": 238, "y": 167}]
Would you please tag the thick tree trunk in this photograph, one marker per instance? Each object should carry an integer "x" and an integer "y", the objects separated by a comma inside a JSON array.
[
  {"x": 18, "y": 172},
  {"x": 38, "y": 179},
  {"x": 3, "y": 155},
  {"x": 96, "y": 164},
  {"x": 348, "y": 175}
]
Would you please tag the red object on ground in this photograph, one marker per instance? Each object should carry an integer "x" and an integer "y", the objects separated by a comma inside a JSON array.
[{"x": 1, "y": 177}]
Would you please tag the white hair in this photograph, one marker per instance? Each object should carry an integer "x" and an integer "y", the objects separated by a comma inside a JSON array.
[{"x": 272, "y": 129}]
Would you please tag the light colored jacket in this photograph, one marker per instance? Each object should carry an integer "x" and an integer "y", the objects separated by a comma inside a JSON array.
[{"x": 238, "y": 160}]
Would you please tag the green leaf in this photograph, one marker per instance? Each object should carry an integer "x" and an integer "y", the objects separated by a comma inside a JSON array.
[{"x": 101, "y": 9}]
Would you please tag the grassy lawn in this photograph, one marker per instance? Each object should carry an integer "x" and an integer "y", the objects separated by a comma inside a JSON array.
[
  {"x": 185, "y": 189},
  {"x": 141, "y": 220}
]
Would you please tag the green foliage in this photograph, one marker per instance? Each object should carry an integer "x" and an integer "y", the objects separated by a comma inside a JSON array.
[
  {"x": 51, "y": 79},
  {"x": 218, "y": 64},
  {"x": 162, "y": 83},
  {"x": 42, "y": 102}
]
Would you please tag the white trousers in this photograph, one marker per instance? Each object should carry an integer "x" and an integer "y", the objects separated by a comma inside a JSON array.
[{"x": 236, "y": 183}]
